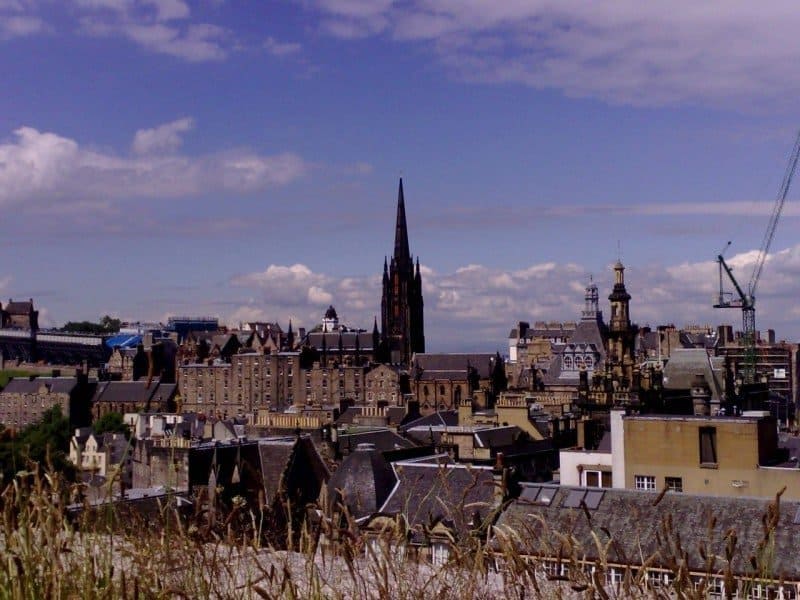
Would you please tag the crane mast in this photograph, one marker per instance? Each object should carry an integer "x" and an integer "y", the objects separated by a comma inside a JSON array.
[{"x": 747, "y": 298}]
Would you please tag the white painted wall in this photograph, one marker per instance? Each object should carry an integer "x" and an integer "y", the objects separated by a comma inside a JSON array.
[
  {"x": 570, "y": 460},
  {"x": 618, "y": 448}
]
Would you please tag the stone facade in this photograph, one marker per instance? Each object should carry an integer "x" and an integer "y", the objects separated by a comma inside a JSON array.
[
  {"x": 24, "y": 400},
  {"x": 254, "y": 382},
  {"x": 162, "y": 462},
  {"x": 386, "y": 386}
]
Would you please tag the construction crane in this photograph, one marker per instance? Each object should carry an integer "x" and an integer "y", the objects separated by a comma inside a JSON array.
[{"x": 747, "y": 298}]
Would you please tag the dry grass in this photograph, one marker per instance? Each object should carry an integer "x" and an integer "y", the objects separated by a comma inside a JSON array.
[{"x": 45, "y": 554}]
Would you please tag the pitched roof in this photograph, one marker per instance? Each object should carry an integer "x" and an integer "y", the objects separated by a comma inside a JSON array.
[
  {"x": 134, "y": 391},
  {"x": 362, "y": 482},
  {"x": 19, "y": 307},
  {"x": 644, "y": 524},
  {"x": 383, "y": 439},
  {"x": 443, "y": 417},
  {"x": 431, "y": 491},
  {"x": 25, "y": 385},
  {"x": 365, "y": 340},
  {"x": 451, "y": 366},
  {"x": 685, "y": 363}
]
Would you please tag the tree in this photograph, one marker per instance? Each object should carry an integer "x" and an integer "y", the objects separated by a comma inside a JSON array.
[
  {"x": 112, "y": 422},
  {"x": 45, "y": 442},
  {"x": 106, "y": 325}
]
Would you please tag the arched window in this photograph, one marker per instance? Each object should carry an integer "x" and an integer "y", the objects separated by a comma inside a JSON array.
[
  {"x": 567, "y": 363},
  {"x": 588, "y": 360},
  {"x": 579, "y": 362},
  {"x": 441, "y": 390},
  {"x": 457, "y": 394},
  {"x": 425, "y": 392}
]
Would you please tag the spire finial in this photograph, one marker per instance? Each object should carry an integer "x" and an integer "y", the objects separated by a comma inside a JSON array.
[{"x": 402, "y": 254}]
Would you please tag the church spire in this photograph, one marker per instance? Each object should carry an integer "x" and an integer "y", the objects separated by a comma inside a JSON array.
[{"x": 402, "y": 255}]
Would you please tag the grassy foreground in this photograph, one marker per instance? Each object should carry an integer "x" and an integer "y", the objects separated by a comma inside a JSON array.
[{"x": 46, "y": 554}]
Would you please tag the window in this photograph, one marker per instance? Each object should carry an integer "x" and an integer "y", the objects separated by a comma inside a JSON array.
[
  {"x": 615, "y": 576},
  {"x": 646, "y": 483},
  {"x": 655, "y": 579},
  {"x": 599, "y": 479},
  {"x": 708, "y": 446},
  {"x": 674, "y": 484},
  {"x": 568, "y": 363},
  {"x": 440, "y": 553}
]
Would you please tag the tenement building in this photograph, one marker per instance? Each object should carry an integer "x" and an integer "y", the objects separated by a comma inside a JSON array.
[{"x": 402, "y": 321}]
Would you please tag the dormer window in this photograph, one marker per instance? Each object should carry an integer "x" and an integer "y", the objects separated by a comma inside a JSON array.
[{"x": 568, "y": 363}]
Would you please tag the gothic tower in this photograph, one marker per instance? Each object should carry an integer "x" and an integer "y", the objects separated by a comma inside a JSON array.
[
  {"x": 402, "y": 327},
  {"x": 622, "y": 334}
]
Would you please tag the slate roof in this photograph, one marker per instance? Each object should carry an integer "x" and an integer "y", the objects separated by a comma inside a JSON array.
[
  {"x": 692, "y": 339},
  {"x": 444, "y": 417},
  {"x": 395, "y": 414},
  {"x": 382, "y": 439},
  {"x": 266, "y": 463},
  {"x": 640, "y": 525},
  {"x": 588, "y": 333},
  {"x": 134, "y": 391},
  {"x": 24, "y": 385},
  {"x": 349, "y": 415},
  {"x": 492, "y": 437},
  {"x": 428, "y": 492},
  {"x": 685, "y": 363},
  {"x": 275, "y": 457},
  {"x": 15, "y": 307},
  {"x": 362, "y": 482},
  {"x": 428, "y": 367},
  {"x": 314, "y": 339}
]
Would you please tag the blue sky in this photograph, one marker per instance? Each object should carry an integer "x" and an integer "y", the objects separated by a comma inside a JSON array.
[{"x": 241, "y": 158}]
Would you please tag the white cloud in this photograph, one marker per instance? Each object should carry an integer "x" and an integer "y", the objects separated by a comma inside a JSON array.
[
  {"x": 41, "y": 167},
  {"x": 13, "y": 26},
  {"x": 160, "y": 26},
  {"x": 280, "y": 49},
  {"x": 164, "y": 138},
  {"x": 641, "y": 53},
  {"x": 475, "y": 306}
]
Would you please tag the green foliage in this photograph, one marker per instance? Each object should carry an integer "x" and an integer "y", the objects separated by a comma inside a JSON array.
[
  {"x": 7, "y": 374},
  {"x": 111, "y": 422},
  {"x": 106, "y": 325},
  {"x": 45, "y": 443}
]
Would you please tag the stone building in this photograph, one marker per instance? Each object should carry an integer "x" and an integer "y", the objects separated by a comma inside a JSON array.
[
  {"x": 133, "y": 397},
  {"x": 103, "y": 457},
  {"x": 591, "y": 365},
  {"x": 24, "y": 400},
  {"x": 332, "y": 343},
  {"x": 19, "y": 315},
  {"x": 387, "y": 385},
  {"x": 653, "y": 540},
  {"x": 441, "y": 381},
  {"x": 161, "y": 454},
  {"x": 253, "y": 382}
]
